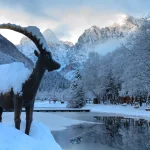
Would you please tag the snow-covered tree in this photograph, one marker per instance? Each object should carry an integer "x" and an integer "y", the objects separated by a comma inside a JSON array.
[
  {"x": 91, "y": 74},
  {"x": 136, "y": 74},
  {"x": 76, "y": 94},
  {"x": 53, "y": 85}
]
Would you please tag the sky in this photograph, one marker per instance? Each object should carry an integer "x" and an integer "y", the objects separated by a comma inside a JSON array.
[{"x": 67, "y": 18}]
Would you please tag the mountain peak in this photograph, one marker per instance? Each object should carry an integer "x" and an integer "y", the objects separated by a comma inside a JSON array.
[
  {"x": 50, "y": 37},
  {"x": 127, "y": 21},
  {"x": 94, "y": 28},
  {"x": 70, "y": 44},
  {"x": 95, "y": 35},
  {"x": 90, "y": 35}
]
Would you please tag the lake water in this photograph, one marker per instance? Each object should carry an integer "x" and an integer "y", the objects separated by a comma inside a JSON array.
[{"x": 106, "y": 133}]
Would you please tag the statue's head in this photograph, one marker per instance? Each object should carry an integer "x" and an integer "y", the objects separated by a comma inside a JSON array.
[{"x": 48, "y": 62}]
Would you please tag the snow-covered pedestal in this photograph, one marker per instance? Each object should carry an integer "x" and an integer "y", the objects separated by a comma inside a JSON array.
[{"x": 40, "y": 138}]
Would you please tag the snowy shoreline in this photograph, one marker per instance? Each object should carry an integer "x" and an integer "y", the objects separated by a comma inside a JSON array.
[
  {"x": 43, "y": 123},
  {"x": 128, "y": 110},
  {"x": 40, "y": 137}
]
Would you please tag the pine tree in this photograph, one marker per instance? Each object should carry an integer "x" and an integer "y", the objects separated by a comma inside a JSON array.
[{"x": 76, "y": 95}]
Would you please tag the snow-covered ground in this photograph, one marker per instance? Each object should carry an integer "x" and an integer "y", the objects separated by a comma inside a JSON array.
[
  {"x": 49, "y": 104},
  {"x": 40, "y": 138},
  {"x": 128, "y": 110}
]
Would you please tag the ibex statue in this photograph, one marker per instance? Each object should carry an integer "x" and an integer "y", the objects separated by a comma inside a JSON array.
[{"x": 30, "y": 86}]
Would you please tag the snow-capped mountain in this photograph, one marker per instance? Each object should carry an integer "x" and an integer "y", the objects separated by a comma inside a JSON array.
[
  {"x": 54, "y": 80},
  {"x": 9, "y": 53},
  {"x": 27, "y": 47},
  {"x": 50, "y": 37},
  {"x": 95, "y": 36},
  {"x": 67, "y": 43},
  {"x": 102, "y": 40},
  {"x": 58, "y": 48}
]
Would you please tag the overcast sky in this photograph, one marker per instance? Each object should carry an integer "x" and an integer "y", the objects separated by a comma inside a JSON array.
[{"x": 67, "y": 18}]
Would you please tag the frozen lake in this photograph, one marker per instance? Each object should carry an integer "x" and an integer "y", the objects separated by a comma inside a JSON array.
[{"x": 107, "y": 133}]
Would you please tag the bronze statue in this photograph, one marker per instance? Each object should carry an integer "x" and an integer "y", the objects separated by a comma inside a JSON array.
[{"x": 45, "y": 62}]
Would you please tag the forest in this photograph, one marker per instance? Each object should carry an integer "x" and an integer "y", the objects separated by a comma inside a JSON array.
[{"x": 125, "y": 72}]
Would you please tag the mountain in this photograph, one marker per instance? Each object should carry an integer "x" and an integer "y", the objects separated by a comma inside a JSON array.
[
  {"x": 71, "y": 57},
  {"x": 6, "y": 59},
  {"x": 58, "y": 48},
  {"x": 95, "y": 35},
  {"x": 9, "y": 53},
  {"x": 52, "y": 81},
  {"x": 50, "y": 37},
  {"x": 103, "y": 40},
  {"x": 27, "y": 48}
]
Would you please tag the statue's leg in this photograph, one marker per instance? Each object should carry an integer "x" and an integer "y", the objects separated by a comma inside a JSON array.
[
  {"x": 29, "y": 117},
  {"x": 17, "y": 110},
  {"x": 1, "y": 111}
]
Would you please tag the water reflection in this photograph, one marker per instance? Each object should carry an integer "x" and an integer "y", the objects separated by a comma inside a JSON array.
[
  {"x": 111, "y": 132},
  {"x": 124, "y": 133}
]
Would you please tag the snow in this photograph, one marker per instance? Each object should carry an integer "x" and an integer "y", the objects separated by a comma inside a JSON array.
[
  {"x": 70, "y": 75},
  {"x": 101, "y": 108},
  {"x": 13, "y": 76},
  {"x": 27, "y": 47},
  {"x": 50, "y": 104},
  {"x": 36, "y": 32},
  {"x": 40, "y": 134},
  {"x": 40, "y": 138},
  {"x": 128, "y": 110}
]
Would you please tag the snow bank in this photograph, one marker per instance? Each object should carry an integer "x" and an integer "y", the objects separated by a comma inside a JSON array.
[
  {"x": 40, "y": 138},
  {"x": 12, "y": 76}
]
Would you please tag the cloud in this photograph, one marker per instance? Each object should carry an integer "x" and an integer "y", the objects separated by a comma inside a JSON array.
[
  {"x": 23, "y": 19},
  {"x": 69, "y": 18},
  {"x": 77, "y": 21},
  {"x": 62, "y": 31},
  {"x": 40, "y": 7}
]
